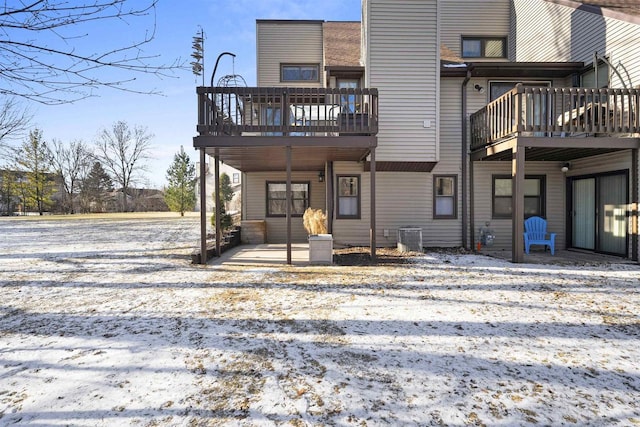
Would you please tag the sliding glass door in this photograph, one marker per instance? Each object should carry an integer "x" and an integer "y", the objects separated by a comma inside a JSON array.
[
  {"x": 599, "y": 213},
  {"x": 584, "y": 214},
  {"x": 612, "y": 224}
]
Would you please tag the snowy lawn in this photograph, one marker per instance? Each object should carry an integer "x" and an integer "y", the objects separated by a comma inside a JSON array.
[{"x": 105, "y": 322}]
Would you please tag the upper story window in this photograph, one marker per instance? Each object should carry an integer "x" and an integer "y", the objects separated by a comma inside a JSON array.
[
  {"x": 484, "y": 47},
  {"x": 299, "y": 72},
  {"x": 349, "y": 103},
  {"x": 588, "y": 79}
]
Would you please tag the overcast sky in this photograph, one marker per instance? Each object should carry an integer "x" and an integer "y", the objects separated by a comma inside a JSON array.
[{"x": 228, "y": 25}]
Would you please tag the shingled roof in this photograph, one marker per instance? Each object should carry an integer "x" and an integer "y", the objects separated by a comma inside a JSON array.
[
  {"x": 631, "y": 8},
  {"x": 342, "y": 44}
]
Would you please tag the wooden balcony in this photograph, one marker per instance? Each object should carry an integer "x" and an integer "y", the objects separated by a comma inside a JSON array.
[
  {"x": 287, "y": 112},
  {"x": 553, "y": 112}
]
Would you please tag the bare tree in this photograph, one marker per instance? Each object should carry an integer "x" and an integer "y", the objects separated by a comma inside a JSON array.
[
  {"x": 121, "y": 150},
  {"x": 71, "y": 163},
  {"x": 49, "y": 57},
  {"x": 14, "y": 122}
]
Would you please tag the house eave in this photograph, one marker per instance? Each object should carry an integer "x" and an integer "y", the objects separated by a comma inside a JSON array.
[{"x": 513, "y": 69}]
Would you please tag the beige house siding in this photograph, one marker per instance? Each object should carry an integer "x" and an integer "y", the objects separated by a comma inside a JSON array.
[
  {"x": 403, "y": 63},
  {"x": 448, "y": 232},
  {"x": 555, "y": 200},
  {"x": 255, "y": 201},
  {"x": 402, "y": 199},
  {"x": 569, "y": 34},
  {"x": 354, "y": 231},
  {"x": 464, "y": 18},
  {"x": 288, "y": 42}
]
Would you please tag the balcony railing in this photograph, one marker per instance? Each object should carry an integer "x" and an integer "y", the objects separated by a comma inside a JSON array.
[
  {"x": 279, "y": 111},
  {"x": 553, "y": 111}
]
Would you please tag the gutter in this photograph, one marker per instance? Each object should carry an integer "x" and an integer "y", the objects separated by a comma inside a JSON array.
[{"x": 463, "y": 186}]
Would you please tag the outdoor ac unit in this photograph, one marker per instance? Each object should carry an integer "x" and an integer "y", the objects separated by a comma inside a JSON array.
[{"x": 410, "y": 239}]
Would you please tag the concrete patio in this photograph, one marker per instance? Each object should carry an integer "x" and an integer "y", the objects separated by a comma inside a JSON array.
[{"x": 276, "y": 254}]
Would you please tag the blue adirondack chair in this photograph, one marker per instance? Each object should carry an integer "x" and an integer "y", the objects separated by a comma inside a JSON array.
[{"x": 535, "y": 233}]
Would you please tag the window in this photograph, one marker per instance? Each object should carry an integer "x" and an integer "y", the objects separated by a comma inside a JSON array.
[
  {"x": 348, "y": 103},
  {"x": 272, "y": 117},
  {"x": 534, "y": 196},
  {"x": 277, "y": 198},
  {"x": 588, "y": 79},
  {"x": 484, "y": 47},
  {"x": 299, "y": 73},
  {"x": 348, "y": 197},
  {"x": 236, "y": 178},
  {"x": 445, "y": 197},
  {"x": 499, "y": 88}
]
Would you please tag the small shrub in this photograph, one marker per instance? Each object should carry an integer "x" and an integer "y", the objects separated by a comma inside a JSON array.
[
  {"x": 314, "y": 221},
  {"x": 225, "y": 219}
]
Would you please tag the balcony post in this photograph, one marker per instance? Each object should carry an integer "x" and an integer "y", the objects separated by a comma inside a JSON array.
[
  {"x": 519, "y": 110},
  {"x": 635, "y": 207},
  {"x": 372, "y": 175},
  {"x": 218, "y": 200},
  {"x": 203, "y": 208},
  {"x": 288, "y": 201},
  {"x": 517, "y": 203}
]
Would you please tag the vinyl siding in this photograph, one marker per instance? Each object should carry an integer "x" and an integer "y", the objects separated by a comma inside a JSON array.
[
  {"x": 472, "y": 18},
  {"x": 403, "y": 63},
  {"x": 282, "y": 42},
  {"x": 350, "y": 232},
  {"x": 555, "y": 192},
  {"x": 255, "y": 200},
  {"x": 545, "y": 31},
  {"x": 402, "y": 199},
  {"x": 555, "y": 200},
  {"x": 448, "y": 232}
]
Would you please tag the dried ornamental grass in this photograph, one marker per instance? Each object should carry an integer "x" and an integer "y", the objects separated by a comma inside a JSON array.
[{"x": 315, "y": 221}]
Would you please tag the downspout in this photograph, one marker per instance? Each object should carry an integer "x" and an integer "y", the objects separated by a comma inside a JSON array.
[{"x": 463, "y": 186}]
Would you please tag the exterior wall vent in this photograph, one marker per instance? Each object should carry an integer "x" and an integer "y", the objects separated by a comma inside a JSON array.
[{"x": 410, "y": 239}]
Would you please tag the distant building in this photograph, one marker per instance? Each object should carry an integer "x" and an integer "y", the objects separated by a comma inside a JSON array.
[
  {"x": 138, "y": 200},
  {"x": 235, "y": 176}
]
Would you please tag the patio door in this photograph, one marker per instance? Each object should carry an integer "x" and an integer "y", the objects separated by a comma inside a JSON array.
[
  {"x": 599, "y": 213},
  {"x": 584, "y": 214}
]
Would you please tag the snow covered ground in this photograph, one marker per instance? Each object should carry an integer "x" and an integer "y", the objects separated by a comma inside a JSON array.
[{"x": 105, "y": 322}]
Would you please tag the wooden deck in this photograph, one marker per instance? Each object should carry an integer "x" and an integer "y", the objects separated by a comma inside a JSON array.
[
  {"x": 568, "y": 257},
  {"x": 556, "y": 114}
]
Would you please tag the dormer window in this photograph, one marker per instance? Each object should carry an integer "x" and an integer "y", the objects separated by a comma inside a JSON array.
[{"x": 484, "y": 47}]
